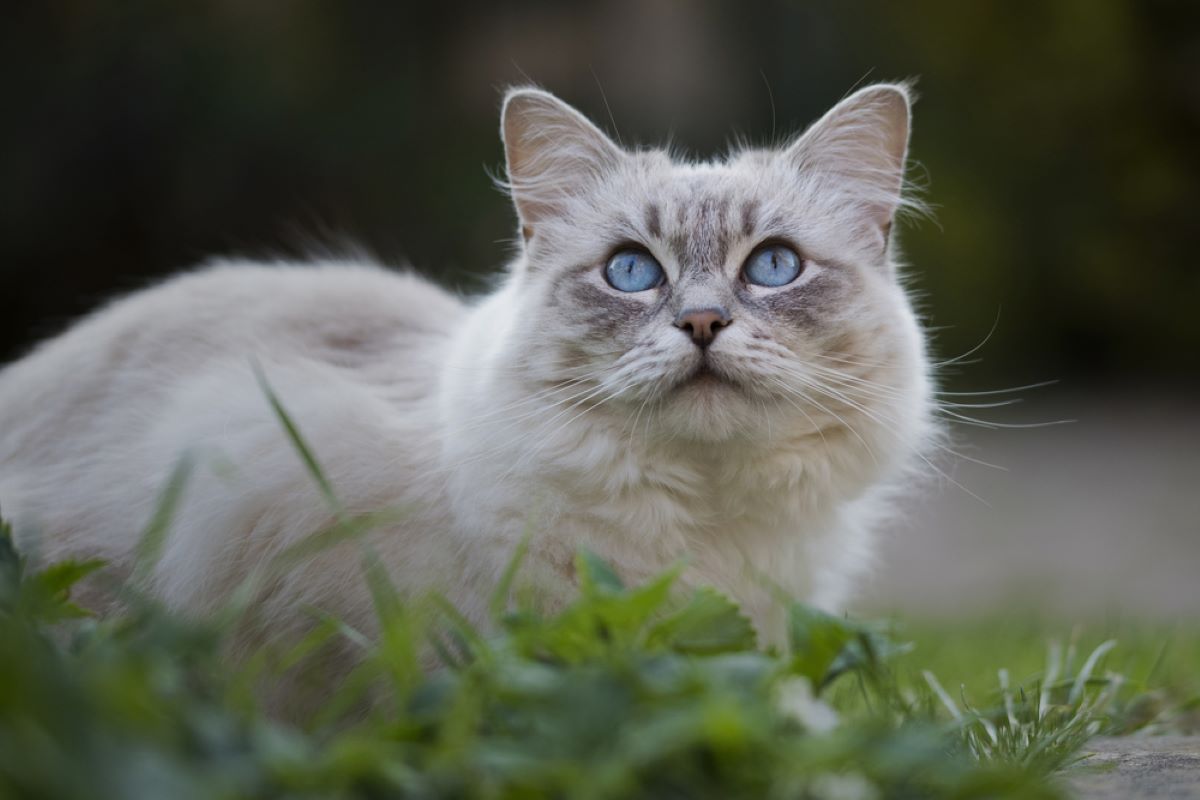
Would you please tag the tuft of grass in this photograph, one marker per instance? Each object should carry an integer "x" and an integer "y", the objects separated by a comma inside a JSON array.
[{"x": 641, "y": 691}]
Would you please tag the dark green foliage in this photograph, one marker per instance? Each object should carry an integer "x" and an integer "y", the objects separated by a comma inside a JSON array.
[{"x": 628, "y": 692}]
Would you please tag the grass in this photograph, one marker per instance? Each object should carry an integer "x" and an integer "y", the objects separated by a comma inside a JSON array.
[
  {"x": 1159, "y": 662},
  {"x": 628, "y": 692}
]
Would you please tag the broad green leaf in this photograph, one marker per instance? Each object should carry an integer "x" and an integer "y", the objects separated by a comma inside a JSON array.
[
  {"x": 48, "y": 593},
  {"x": 595, "y": 575},
  {"x": 709, "y": 623},
  {"x": 57, "y": 579},
  {"x": 816, "y": 639},
  {"x": 865, "y": 651}
]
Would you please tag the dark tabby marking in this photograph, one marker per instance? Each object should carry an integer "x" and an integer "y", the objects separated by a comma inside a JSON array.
[
  {"x": 704, "y": 247},
  {"x": 605, "y": 314},
  {"x": 807, "y": 306},
  {"x": 749, "y": 217},
  {"x": 653, "y": 221}
]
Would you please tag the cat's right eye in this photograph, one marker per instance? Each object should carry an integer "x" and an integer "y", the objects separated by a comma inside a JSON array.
[
  {"x": 773, "y": 265},
  {"x": 633, "y": 271}
]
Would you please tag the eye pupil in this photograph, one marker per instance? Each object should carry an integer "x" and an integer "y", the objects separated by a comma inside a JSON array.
[
  {"x": 773, "y": 265},
  {"x": 633, "y": 271}
]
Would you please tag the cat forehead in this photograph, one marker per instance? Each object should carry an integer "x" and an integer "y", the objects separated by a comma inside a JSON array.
[
  {"x": 696, "y": 197},
  {"x": 679, "y": 187}
]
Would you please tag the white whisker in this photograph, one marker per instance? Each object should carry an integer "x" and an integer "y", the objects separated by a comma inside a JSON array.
[
  {"x": 1026, "y": 387},
  {"x": 980, "y": 423}
]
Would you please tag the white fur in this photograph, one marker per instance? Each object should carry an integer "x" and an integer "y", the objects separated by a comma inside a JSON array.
[{"x": 482, "y": 421}]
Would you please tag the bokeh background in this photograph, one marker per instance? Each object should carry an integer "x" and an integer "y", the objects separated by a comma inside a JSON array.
[{"x": 1059, "y": 144}]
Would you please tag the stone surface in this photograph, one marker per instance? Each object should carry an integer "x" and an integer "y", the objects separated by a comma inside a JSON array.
[{"x": 1130, "y": 768}]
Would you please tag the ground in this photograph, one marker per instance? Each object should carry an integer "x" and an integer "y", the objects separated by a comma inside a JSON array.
[
  {"x": 1126, "y": 768},
  {"x": 1091, "y": 519}
]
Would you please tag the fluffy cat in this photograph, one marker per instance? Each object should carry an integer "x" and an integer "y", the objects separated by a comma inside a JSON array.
[{"x": 713, "y": 362}]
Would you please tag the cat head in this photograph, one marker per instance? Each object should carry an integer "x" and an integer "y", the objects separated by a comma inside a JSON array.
[{"x": 751, "y": 294}]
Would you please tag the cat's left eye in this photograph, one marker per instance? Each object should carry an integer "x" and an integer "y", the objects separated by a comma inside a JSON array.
[
  {"x": 773, "y": 265},
  {"x": 633, "y": 271}
]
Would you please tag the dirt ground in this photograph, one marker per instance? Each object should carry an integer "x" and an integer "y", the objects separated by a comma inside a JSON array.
[
  {"x": 1100, "y": 516},
  {"x": 1129, "y": 768}
]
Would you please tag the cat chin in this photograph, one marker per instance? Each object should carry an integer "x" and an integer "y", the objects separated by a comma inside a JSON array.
[{"x": 706, "y": 408}]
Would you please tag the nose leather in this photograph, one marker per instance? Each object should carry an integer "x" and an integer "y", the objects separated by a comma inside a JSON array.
[{"x": 702, "y": 324}]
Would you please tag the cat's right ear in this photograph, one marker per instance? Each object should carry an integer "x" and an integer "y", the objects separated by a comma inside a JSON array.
[
  {"x": 552, "y": 153},
  {"x": 863, "y": 143}
]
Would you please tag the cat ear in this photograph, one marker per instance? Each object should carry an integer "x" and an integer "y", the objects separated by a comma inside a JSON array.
[
  {"x": 552, "y": 152},
  {"x": 862, "y": 143}
]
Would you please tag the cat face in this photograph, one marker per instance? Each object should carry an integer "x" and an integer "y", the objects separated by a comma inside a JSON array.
[{"x": 746, "y": 296}]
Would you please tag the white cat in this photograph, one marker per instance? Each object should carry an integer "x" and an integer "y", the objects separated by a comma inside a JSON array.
[{"x": 705, "y": 361}]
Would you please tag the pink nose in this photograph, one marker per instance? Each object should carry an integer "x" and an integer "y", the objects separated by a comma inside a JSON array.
[{"x": 702, "y": 324}]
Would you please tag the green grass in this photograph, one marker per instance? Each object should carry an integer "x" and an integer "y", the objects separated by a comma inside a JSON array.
[
  {"x": 1158, "y": 661},
  {"x": 628, "y": 692}
]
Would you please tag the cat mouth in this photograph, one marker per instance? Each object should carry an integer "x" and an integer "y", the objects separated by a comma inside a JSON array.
[{"x": 705, "y": 375}]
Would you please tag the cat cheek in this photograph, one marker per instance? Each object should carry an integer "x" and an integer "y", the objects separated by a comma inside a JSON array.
[
  {"x": 809, "y": 308},
  {"x": 597, "y": 312}
]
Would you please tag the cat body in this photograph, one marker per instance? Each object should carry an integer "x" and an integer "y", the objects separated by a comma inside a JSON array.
[{"x": 641, "y": 384}]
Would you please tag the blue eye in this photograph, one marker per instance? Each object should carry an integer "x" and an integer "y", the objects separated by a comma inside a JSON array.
[
  {"x": 633, "y": 271},
  {"x": 773, "y": 265}
]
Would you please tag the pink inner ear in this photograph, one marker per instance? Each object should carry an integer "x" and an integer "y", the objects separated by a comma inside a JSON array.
[
  {"x": 863, "y": 140},
  {"x": 551, "y": 150}
]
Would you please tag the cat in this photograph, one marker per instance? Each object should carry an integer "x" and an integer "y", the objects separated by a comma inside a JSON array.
[{"x": 713, "y": 364}]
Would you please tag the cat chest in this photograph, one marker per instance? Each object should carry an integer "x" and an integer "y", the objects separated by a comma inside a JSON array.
[{"x": 682, "y": 516}]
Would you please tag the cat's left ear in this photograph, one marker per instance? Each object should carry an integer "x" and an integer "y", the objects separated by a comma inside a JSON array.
[
  {"x": 862, "y": 143},
  {"x": 553, "y": 153}
]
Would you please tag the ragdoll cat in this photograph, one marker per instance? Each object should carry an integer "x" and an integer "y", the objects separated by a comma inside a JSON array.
[{"x": 709, "y": 362}]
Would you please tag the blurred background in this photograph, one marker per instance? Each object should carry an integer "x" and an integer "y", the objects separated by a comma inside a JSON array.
[{"x": 1059, "y": 144}]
